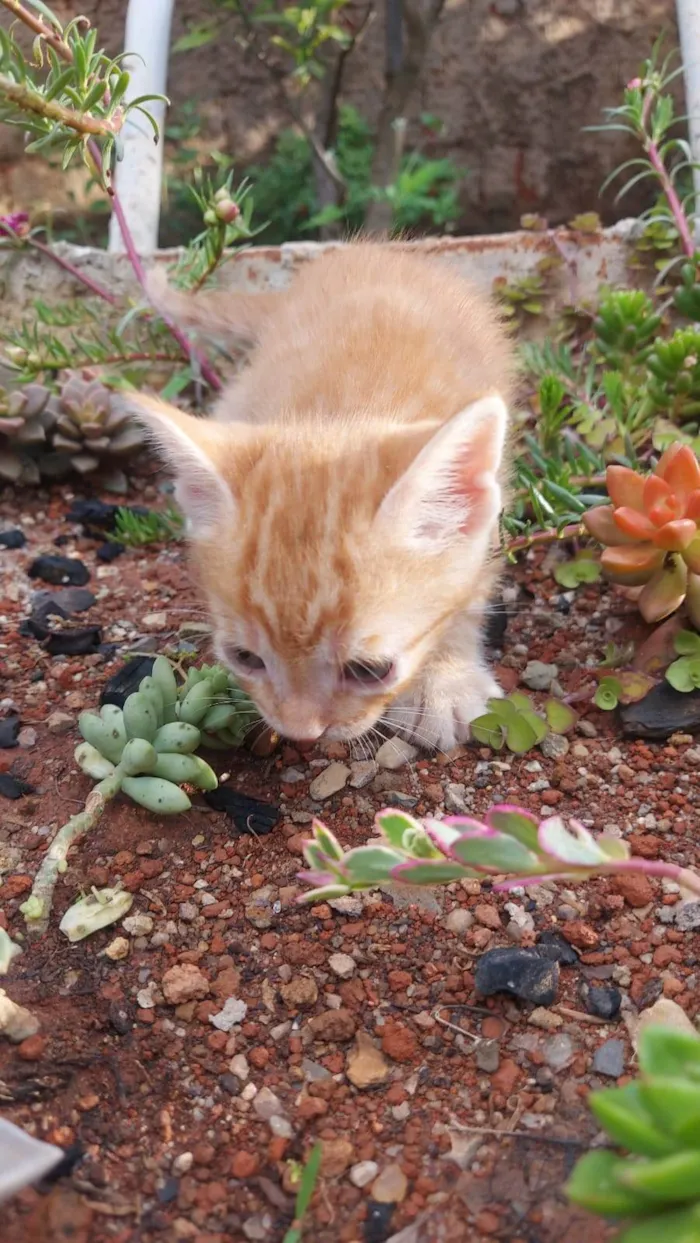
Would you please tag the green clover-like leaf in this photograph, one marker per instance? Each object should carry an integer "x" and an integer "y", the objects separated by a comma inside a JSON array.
[{"x": 607, "y": 695}]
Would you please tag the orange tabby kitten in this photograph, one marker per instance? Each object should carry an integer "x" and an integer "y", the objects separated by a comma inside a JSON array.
[{"x": 342, "y": 503}]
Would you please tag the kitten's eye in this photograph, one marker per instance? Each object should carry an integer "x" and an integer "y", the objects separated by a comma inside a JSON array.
[
  {"x": 368, "y": 672},
  {"x": 247, "y": 660}
]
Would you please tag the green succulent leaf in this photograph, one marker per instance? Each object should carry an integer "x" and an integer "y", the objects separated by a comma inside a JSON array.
[
  {"x": 595, "y": 1185},
  {"x": 607, "y": 695},
  {"x": 488, "y": 729},
  {"x": 581, "y": 569},
  {"x": 623, "y": 1114},
  {"x": 687, "y": 643},
  {"x": 684, "y": 674},
  {"x": 560, "y": 717}
]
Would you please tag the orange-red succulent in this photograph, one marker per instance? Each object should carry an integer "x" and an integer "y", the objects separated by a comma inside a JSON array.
[{"x": 651, "y": 533}]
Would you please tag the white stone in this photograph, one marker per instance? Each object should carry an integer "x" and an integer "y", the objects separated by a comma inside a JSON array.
[
  {"x": 330, "y": 781},
  {"x": 342, "y": 965},
  {"x": 363, "y": 1173},
  {"x": 233, "y": 1013},
  {"x": 395, "y": 753},
  {"x": 239, "y": 1067}
]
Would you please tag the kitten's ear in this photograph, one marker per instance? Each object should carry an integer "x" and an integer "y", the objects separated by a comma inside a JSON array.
[
  {"x": 451, "y": 488},
  {"x": 192, "y": 448}
]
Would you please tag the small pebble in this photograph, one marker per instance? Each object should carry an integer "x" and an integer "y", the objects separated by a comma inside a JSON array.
[
  {"x": 609, "y": 1059},
  {"x": 362, "y": 1174},
  {"x": 342, "y": 965},
  {"x": 330, "y": 781},
  {"x": 539, "y": 676},
  {"x": 395, "y": 753}
]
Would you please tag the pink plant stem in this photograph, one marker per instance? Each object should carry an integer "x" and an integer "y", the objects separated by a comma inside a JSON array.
[
  {"x": 673, "y": 200},
  {"x": 667, "y": 186},
  {"x": 67, "y": 266},
  {"x": 207, "y": 370}
]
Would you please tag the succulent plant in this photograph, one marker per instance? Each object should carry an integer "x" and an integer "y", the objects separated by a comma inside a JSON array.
[
  {"x": 514, "y": 723},
  {"x": 509, "y": 841},
  {"x": 95, "y": 910},
  {"x": 90, "y": 426},
  {"x": 26, "y": 416},
  {"x": 651, "y": 533},
  {"x": 626, "y": 687},
  {"x": 684, "y": 673},
  {"x": 625, "y": 326},
  {"x": 655, "y": 1192},
  {"x": 50, "y": 434},
  {"x": 674, "y": 380},
  {"x": 149, "y": 745},
  {"x": 146, "y": 750}
]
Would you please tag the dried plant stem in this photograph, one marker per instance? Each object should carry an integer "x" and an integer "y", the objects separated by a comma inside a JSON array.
[
  {"x": 575, "y": 530},
  {"x": 76, "y": 273},
  {"x": 67, "y": 836},
  {"x": 39, "y": 27}
]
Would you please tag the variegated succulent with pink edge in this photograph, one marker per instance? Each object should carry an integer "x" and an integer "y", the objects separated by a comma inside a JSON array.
[
  {"x": 651, "y": 533},
  {"x": 510, "y": 844}
]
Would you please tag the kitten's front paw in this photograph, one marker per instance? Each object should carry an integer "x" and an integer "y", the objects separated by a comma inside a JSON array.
[{"x": 438, "y": 714}]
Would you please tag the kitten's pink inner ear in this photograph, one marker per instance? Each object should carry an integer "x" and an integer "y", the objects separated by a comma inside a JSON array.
[
  {"x": 191, "y": 448},
  {"x": 451, "y": 489}
]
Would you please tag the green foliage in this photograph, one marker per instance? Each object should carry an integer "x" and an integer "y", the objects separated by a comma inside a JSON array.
[
  {"x": 584, "y": 568},
  {"x": 302, "y": 33},
  {"x": 625, "y": 327},
  {"x": 69, "y": 93},
  {"x": 508, "y": 841},
  {"x": 654, "y": 1193},
  {"x": 307, "y": 1179},
  {"x": 425, "y": 192},
  {"x": 684, "y": 673},
  {"x": 674, "y": 381},
  {"x": 147, "y": 748},
  {"x": 626, "y": 687},
  {"x": 137, "y": 530},
  {"x": 514, "y": 723}
]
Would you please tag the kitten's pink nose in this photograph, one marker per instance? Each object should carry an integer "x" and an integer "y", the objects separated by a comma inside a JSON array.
[{"x": 302, "y": 721}]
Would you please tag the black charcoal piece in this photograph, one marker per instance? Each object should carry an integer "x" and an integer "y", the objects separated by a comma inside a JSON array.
[
  {"x": 249, "y": 815},
  {"x": 9, "y": 729},
  {"x": 126, "y": 680},
  {"x": 74, "y": 642},
  {"x": 518, "y": 971},
  {"x": 553, "y": 945},
  {"x": 14, "y": 787},
  {"x": 13, "y": 538},
  {"x": 664, "y": 711},
  {"x": 59, "y": 570},
  {"x": 110, "y": 550}
]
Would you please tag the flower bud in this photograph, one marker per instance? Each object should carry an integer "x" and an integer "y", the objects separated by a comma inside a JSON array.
[{"x": 227, "y": 210}]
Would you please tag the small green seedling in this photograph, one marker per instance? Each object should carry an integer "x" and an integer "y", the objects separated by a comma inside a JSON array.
[
  {"x": 626, "y": 687},
  {"x": 514, "y": 723},
  {"x": 584, "y": 568},
  {"x": 136, "y": 530},
  {"x": 684, "y": 673},
  {"x": 308, "y": 1177},
  {"x": 655, "y": 1192}
]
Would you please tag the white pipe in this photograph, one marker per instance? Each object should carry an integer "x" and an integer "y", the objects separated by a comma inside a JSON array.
[
  {"x": 138, "y": 176},
  {"x": 689, "y": 34}
]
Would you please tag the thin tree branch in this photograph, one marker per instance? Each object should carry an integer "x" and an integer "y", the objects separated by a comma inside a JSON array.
[
  {"x": 31, "y": 101},
  {"x": 40, "y": 28}
]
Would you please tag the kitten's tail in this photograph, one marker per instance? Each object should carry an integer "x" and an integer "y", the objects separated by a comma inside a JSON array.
[{"x": 217, "y": 313}]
